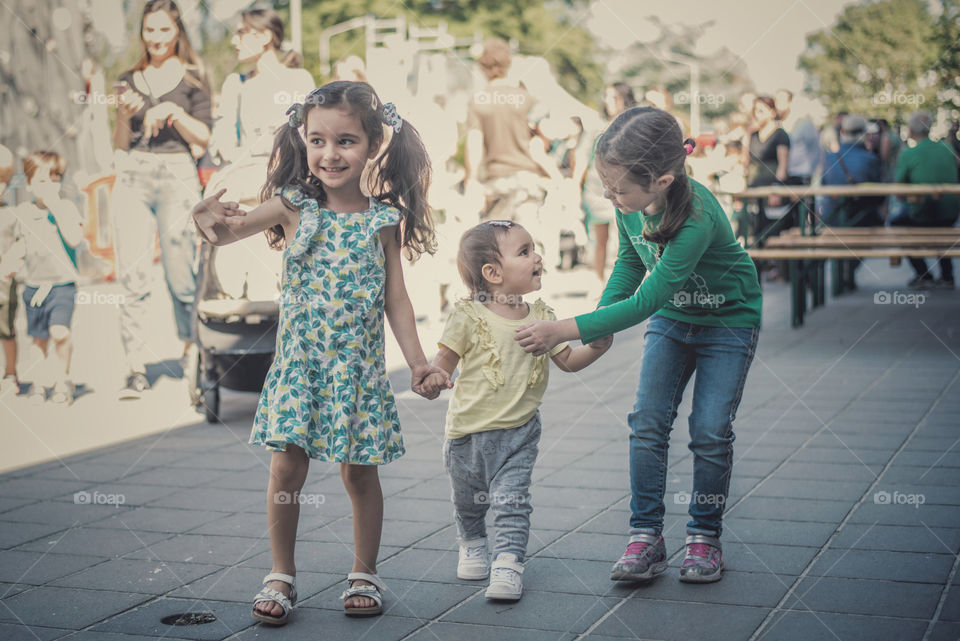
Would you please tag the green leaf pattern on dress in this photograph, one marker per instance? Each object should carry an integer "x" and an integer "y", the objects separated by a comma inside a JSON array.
[{"x": 327, "y": 390}]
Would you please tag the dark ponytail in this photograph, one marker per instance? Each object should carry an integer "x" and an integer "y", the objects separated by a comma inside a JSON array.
[
  {"x": 401, "y": 177},
  {"x": 648, "y": 143},
  {"x": 288, "y": 166}
]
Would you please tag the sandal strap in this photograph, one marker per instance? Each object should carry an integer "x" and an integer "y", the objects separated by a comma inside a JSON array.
[
  {"x": 369, "y": 578},
  {"x": 703, "y": 538},
  {"x": 269, "y": 594},
  {"x": 289, "y": 579},
  {"x": 370, "y": 591}
]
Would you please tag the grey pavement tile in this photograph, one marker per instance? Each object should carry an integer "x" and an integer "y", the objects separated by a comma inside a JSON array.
[
  {"x": 862, "y": 596},
  {"x": 762, "y": 557},
  {"x": 146, "y": 620},
  {"x": 9, "y": 589},
  {"x": 131, "y": 575},
  {"x": 317, "y": 556},
  {"x": 951, "y": 606},
  {"x": 161, "y": 519},
  {"x": 309, "y": 624},
  {"x": 941, "y": 444},
  {"x": 200, "y": 548},
  {"x": 438, "y": 566},
  {"x": 40, "y": 488},
  {"x": 111, "y": 636},
  {"x": 417, "y": 599},
  {"x": 679, "y": 621},
  {"x": 36, "y": 568},
  {"x": 213, "y": 499},
  {"x": 736, "y": 588},
  {"x": 587, "y": 546},
  {"x": 884, "y": 565},
  {"x": 887, "y": 514},
  {"x": 539, "y": 610},
  {"x": 754, "y": 468},
  {"x": 829, "y": 471},
  {"x": 945, "y": 631},
  {"x": 62, "y": 513},
  {"x": 241, "y": 460},
  {"x": 12, "y": 535},
  {"x": 601, "y": 479},
  {"x": 561, "y": 518},
  {"x": 820, "y": 510},
  {"x": 8, "y": 503},
  {"x": 419, "y": 509},
  {"x": 931, "y": 494},
  {"x": 136, "y": 458},
  {"x": 246, "y": 524},
  {"x": 98, "y": 472},
  {"x": 809, "y": 534},
  {"x": 434, "y": 489},
  {"x": 127, "y": 494},
  {"x": 66, "y": 607},
  {"x": 913, "y": 475},
  {"x": 812, "y": 489},
  {"x": 546, "y": 496},
  {"x": 572, "y": 576},
  {"x": 446, "y": 539},
  {"x": 868, "y": 440},
  {"x": 20, "y": 632},
  {"x": 803, "y": 626},
  {"x": 194, "y": 477},
  {"x": 94, "y": 541},
  {"x": 845, "y": 453},
  {"x": 240, "y": 584},
  {"x": 929, "y": 459},
  {"x": 395, "y": 533},
  {"x": 468, "y": 632},
  {"x": 898, "y": 538}
]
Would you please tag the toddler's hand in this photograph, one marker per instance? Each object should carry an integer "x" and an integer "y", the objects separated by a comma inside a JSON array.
[
  {"x": 210, "y": 212},
  {"x": 429, "y": 380}
]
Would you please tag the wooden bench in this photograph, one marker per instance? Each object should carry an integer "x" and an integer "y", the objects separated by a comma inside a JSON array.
[{"x": 807, "y": 267}]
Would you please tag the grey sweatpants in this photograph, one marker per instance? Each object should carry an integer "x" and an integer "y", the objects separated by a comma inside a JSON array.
[{"x": 492, "y": 470}]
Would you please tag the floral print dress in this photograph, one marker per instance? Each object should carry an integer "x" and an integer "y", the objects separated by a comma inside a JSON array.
[{"x": 327, "y": 390}]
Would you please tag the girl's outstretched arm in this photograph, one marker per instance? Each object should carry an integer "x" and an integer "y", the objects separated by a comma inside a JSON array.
[
  {"x": 223, "y": 223},
  {"x": 400, "y": 314}
]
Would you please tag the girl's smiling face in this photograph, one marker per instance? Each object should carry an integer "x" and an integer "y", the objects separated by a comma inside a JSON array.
[
  {"x": 337, "y": 148},
  {"x": 521, "y": 267},
  {"x": 620, "y": 188}
]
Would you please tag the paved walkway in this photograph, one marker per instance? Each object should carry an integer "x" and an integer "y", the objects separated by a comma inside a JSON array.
[{"x": 843, "y": 522}]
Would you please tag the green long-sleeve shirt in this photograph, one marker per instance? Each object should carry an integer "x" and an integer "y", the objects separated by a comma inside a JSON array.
[{"x": 703, "y": 277}]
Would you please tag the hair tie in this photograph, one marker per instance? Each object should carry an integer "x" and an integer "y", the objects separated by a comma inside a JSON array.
[
  {"x": 391, "y": 118},
  {"x": 688, "y": 145},
  {"x": 295, "y": 113}
]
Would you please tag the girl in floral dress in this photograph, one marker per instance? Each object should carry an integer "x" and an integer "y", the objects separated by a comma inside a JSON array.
[{"x": 327, "y": 395}]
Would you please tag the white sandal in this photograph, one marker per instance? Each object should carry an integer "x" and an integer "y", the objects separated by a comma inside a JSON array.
[
  {"x": 275, "y": 596},
  {"x": 373, "y": 591}
]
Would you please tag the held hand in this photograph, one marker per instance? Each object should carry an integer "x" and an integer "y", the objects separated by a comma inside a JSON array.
[
  {"x": 40, "y": 296},
  {"x": 429, "y": 380},
  {"x": 539, "y": 337},
  {"x": 210, "y": 212}
]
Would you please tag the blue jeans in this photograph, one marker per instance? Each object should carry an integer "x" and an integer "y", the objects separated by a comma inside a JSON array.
[
  {"x": 672, "y": 351},
  {"x": 154, "y": 193}
]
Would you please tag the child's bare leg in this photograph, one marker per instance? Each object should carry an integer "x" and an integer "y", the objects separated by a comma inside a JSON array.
[
  {"x": 362, "y": 483},
  {"x": 10, "y": 356},
  {"x": 288, "y": 472},
  {"x": 63, "y": 349}
]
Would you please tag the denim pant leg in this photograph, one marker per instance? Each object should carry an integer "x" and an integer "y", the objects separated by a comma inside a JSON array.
[
  {"x": 510, "y": 486},
  {"x": 665, "y": 372},
  {"x": 178, "y": 191},
  {"x": 723, "y": 357},
  {"x": 134, "y": 228},
  {"x": 465, "y": 468}
]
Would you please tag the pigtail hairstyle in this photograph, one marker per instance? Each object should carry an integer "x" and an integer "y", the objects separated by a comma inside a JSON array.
[
  {"x": 288, "y": 164},
  {"x": 401, "y": 177},
  {"x": 648, "y": 143}
]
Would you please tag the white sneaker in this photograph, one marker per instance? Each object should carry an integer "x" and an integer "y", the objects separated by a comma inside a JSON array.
[
  {"x": 474, "y": 563},
  {"x": 9, "y": 387},
  {"x": 506, "y": 578}
]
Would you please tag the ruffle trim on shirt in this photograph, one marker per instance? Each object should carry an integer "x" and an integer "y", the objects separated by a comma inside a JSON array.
[
  {"x": 493, "y": 368},
  {"x": 309, "y": 223}
]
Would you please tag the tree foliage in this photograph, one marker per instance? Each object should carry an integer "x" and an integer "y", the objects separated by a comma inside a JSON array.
[{"x": 879, "y": 59}]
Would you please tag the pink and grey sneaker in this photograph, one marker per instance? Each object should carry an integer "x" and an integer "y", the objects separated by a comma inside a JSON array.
[
  {"x": 644, "y": 559},
  {"x": 703, "y": 562}
]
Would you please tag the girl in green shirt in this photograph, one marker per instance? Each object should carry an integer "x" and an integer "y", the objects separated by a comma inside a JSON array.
[{"x": 680, "y": 265}]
